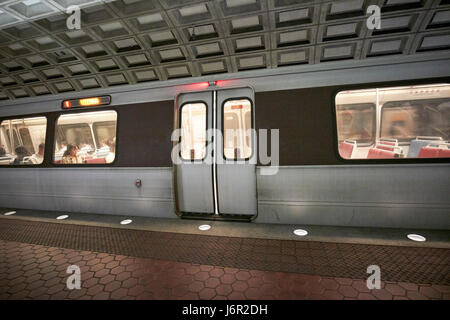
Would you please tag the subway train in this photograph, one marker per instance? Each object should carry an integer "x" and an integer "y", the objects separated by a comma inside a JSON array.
[{"x": 349, "y": 143}]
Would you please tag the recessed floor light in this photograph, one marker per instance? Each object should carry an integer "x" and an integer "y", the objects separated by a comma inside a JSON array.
[
  {"x": 416, "y": 237},
  {"x": 204, "y": 227},
  {"x": 300, "y": 232},
  {"x": 64, "y": 216},
  {"x": 126, "y": 221},
  {"x": 9, "y": 213}
]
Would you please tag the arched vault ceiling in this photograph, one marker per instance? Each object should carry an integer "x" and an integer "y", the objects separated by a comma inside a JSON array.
[{"x": 132, "y": 41}]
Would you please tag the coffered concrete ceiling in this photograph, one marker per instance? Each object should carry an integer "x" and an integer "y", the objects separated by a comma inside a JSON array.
[{"x": 133, "y": 41}]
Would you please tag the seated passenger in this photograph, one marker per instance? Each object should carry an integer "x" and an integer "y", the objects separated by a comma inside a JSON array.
[
  {"x": 71, "y": 155},
  {"x": 2, "y": 152},
  {"x": 63, "y": 147},
  {"x": 112, "y": 150},
  {"x": 21, "y": 153},
  {"x": 38, "y": 157},
  {"x": 86, "y": 147}
]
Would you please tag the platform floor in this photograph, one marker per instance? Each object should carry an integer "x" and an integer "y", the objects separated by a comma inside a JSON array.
[{"x": 131, "y": 263}]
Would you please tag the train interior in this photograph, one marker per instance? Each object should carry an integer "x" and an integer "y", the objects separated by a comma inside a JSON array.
[
  {"x": 95, "y": 134},
  {"x": 409, "y": 122},
  {"x": 20, "y": 139}
]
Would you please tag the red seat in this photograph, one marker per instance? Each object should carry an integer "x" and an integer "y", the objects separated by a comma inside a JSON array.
[
  {"x": 97, "y": 160},
  {"x": 57, "y": 161},
  {"x": 376, "y": 153},
  {"x": 427, "y": 152},
  {"x": 430, "y": 152},
  {"x": 346, "y": 149},
  {"x": 390, "y": 143},
  {"x": 388, "y": 148},
  {"x": 444, "y": 153}
]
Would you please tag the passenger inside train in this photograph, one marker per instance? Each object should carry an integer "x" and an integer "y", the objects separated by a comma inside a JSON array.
[
  {"x": 384, "y": 123},
  {"x": 111, "y": 147},
  {"x": 21, "y": 153},
  {"x": 38, "y": 157},
  {"x": 71, "y": 156}
]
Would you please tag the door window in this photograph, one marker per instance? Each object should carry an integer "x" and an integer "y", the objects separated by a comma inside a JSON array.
[
  {"x": 193, "y": 131},
  {"x": 237, "y": 125}
]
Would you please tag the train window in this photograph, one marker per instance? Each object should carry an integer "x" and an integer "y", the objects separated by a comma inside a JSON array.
[
  {"x": 86, "y": 138},
  {"x": 193, "y": 131},
  {"x": 356, "y": 122},
  {"x": 237, "y": 143},
  {"x": 407, "y": 122},
  {"x": 22, "y": 141},
  {"x": 104, "y": 131}
]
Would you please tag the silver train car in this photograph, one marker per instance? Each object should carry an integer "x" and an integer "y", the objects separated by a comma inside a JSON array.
[{"x": 348, "y": 144}]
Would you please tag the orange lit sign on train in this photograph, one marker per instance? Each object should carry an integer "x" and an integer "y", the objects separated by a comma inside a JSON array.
[
  {"x": 86, "y": 102},
  {"x": 90, "y": 102}
]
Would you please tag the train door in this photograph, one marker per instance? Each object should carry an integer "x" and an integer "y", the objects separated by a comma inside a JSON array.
[
  {"x": 215, "y": 171},
  {"x": 194, "y": 168}
]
